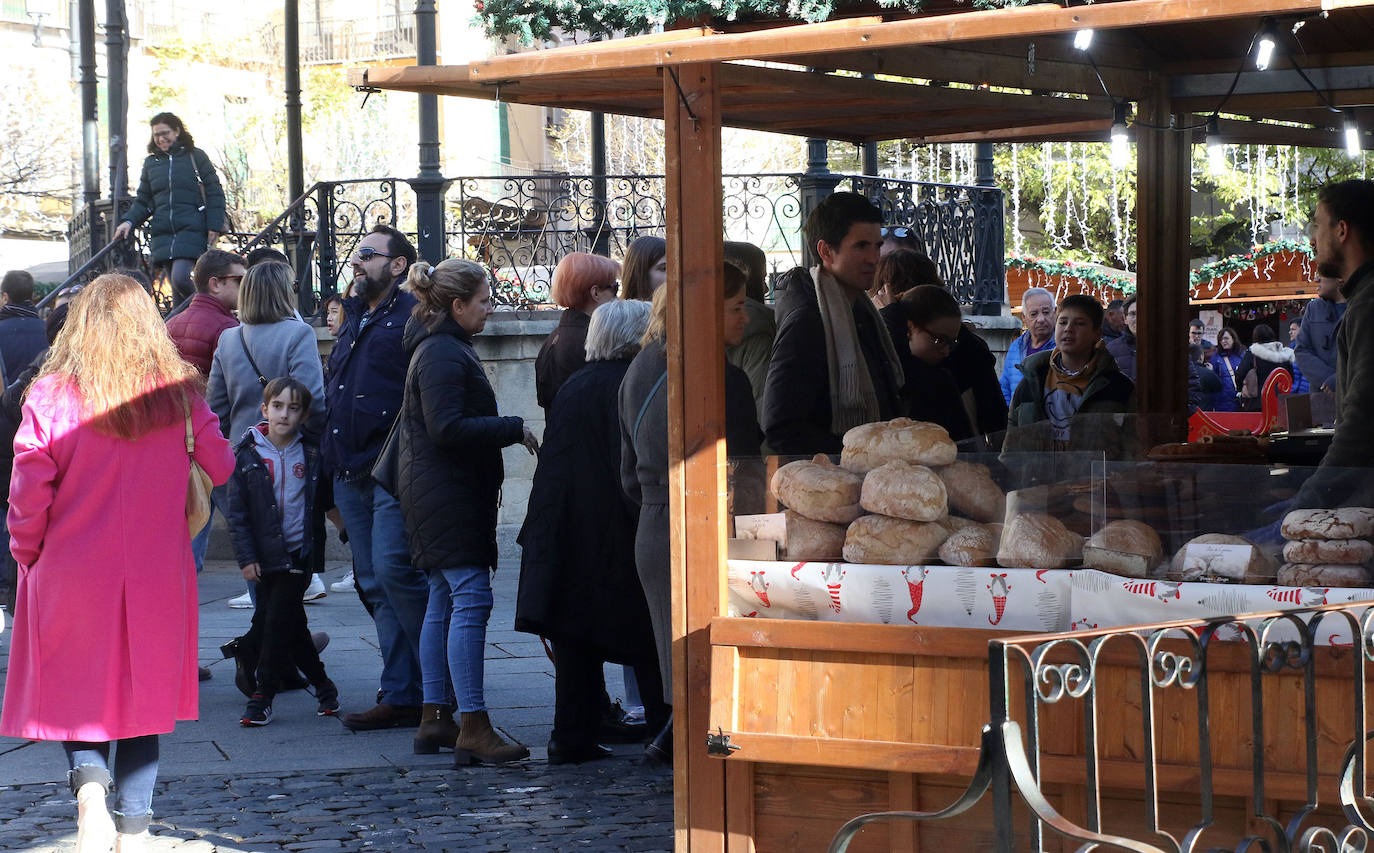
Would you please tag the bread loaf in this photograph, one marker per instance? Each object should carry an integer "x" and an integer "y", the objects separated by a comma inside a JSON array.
[
  {"x": 975, "y": 545},
  {"x": 903, "y": 490},
  {"x": 1033, "y": 540},
  {"x": 973, "y": 492},
  {"x": 1341, "y": 552},
  {"x": 813, "y": 540},
  {"x": 1126, "y": 547},
  {"x": 882, "y": 540},
  {"x": 954, "y": 523},
  {"x": 902, "y": 440},
  {"x": 1349, "y": 523},
  {"x": 1306, "y": 574},
  {"x": 1256, "y": 567},
  {"x": 819, "y": 490}
]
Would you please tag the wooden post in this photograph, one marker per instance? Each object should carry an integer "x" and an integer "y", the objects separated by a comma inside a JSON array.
[
  {"x": 696, "y": 438},
  {"x": 1162, "y": 230}
]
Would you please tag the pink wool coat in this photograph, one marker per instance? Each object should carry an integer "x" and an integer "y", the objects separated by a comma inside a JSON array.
[{"x": 104, "y": 639}]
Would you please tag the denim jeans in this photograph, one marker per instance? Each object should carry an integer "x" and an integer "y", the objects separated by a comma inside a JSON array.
[
  {"x": 135, "y": 774},
  {"x": 454, "y": 640},
  {"x": 397, "y": 593}
]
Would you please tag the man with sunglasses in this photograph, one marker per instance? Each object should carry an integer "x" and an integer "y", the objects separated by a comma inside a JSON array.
[
  {"x": 366, "y": 379},
  {"x": 834, "y": 365}
]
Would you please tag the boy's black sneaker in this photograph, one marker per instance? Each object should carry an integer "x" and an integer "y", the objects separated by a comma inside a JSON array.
[
  {"x": 328, "y": 697},
  {"x": 258, "y": 712}
]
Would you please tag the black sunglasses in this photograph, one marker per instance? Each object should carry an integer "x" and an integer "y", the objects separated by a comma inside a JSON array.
[{"x": 367, "y": 253}]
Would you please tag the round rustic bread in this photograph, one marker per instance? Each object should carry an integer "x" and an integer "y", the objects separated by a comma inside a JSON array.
[
  {"x": 882, "y": 540},
  {"x": 902, "y": 440},
  {"x": 903, "y": 490},
  {"x": 1259, "y": 568},
  {"x": 1354, "y": 522},
  {"x": 808, "y": 539},
  {"x": 1341, "y": 552},
  {"x": 1131, "y": 537},
  {"x": 1306, "y": 574},
  {"x": 819, "y": 489},
  {"x": 975, "y": 545},
  {"x": 973, "y": 492},
  {"x": 1037, "y": 541}
]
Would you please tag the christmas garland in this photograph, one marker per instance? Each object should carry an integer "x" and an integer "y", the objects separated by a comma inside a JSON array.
[
  {"x": 1074, "y": 270},
  {"x": 1235, "y": 264},
  {"x": 531, "y": 20}
]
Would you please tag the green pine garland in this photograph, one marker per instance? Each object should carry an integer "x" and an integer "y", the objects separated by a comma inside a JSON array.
[
  {"x": 534, "y": 20},
  {"x": 1072, "y": 269},
  {"x": 1246, "y": 261}
]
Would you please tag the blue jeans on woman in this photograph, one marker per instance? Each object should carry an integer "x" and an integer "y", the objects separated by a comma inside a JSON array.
[
  {"x": 135, "y": 774},
  {"x": 454, "y": 637}
]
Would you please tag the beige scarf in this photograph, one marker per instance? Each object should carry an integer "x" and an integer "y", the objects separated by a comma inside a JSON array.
[{"x": 853, "y": 398}]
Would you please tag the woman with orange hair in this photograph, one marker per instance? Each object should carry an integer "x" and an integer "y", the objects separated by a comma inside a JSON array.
[
  {"x": 581, "y": 282},
  {"x": 104, "y": 647}
]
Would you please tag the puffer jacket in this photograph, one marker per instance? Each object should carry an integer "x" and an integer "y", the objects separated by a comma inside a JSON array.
[
  {"x": 255, "y": 518},
  {"x": 1099, "y": 425},
  {"x": 449, "y": 474},
  {"x": 169, "y": 200},
  {"x": 22, "y": 336},
  {"x": 1315, "y": 349},
  {"x": 196, "y": 330},
  {"x": 1017, "y": 353},
  {"x": 1262, "y": 359},
  {"x": 1227, "y": 368},
  {"x": 1123, "y": 352}
]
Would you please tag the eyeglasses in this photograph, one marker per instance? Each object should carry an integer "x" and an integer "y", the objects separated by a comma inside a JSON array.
[
  {"x": 940, "y": 340},
  {"x": 367, "y": 253},
  {"x": 613, "y": 287},
  {"x": 236, "y": 279},
  {"x": 901, "y": 232}
]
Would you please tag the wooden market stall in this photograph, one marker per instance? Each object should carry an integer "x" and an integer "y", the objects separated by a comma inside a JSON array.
[{"x": 833, "y": 720}]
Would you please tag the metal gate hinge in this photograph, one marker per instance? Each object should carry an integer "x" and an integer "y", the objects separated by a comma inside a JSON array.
[{"x": 719, "y": 744}]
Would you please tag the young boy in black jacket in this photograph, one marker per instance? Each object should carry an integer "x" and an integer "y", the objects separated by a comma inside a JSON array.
[{"x": 278, "y": 533}]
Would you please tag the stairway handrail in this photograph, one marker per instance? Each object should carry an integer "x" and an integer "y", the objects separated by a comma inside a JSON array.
[{"x": 66, "y": 285}]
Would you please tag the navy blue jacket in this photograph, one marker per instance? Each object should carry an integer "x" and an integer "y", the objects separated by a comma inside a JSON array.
[
  {"x": 367, "y": 374},
  {"x": 255, "y": 519},
  {"x": 22, "y": 337}
]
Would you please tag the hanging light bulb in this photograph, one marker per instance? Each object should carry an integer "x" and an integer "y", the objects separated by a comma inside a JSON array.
[
  {"x": 1352, "y": 134},
  {"x": 1083, "y": 39},
  {"x": 1121, "y": 145},
  {"x": 1216, "y": 150},
  {"x": 1264, "y": 48}
]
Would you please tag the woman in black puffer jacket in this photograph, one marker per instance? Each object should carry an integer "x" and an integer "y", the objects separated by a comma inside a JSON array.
[{"x": 448, "y": 478}]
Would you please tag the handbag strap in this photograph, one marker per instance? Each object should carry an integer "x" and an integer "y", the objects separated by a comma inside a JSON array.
[
  {"x": 644, "y": 409},
  {"x": 243, "y": 342},
  {"x": 190, "y": 433}
]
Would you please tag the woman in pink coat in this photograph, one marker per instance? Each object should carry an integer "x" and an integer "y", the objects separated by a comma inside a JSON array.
[{"x": 103, "y": 651}]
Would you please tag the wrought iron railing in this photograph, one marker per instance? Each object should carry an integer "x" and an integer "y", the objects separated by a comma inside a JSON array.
[
  {"x": 1036, "y": 675},
  {"x": 521, "y": 226}
]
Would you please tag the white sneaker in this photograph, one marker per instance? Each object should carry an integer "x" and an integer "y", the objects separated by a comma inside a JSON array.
[
  {"x": 634, "y": 715},
  {"x": 243, "y": 602},
  {"x": 343, "y": 584},
  {"x": 315, "y": 590}
]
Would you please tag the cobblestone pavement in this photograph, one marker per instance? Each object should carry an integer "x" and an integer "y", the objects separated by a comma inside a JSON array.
[
  {"x": 619, "y": 805},
  {"x": 305, "y": 783}
]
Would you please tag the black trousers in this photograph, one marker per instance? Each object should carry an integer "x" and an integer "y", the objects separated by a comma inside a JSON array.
[
  {"x": 280, "y": 635},
  {"x": 580, "y": 694}
]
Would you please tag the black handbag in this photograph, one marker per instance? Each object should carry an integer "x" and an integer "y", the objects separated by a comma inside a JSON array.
[{"x": 386, "y": 471}]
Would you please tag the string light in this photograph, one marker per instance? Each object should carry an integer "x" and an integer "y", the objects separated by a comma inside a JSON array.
[
  {"x": 1352, "y": 134},
  {"x": 1264, "y": 46},
  {"x": 1216, "y": 150},
  {"x": 1083, "y": 39},
  {"x": 1121, "y": 144}
]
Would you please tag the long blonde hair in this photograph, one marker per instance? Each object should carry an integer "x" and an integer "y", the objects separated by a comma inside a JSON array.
[{"x": 116, "y": 354}]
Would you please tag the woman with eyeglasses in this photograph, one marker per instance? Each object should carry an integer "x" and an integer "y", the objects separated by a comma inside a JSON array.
[
  {"x": 933, "y": 321},
  {"x": 180, "y": 197},
  {"x": 581, "y": 282}
]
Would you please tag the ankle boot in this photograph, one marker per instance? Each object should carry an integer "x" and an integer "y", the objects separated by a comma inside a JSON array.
[
  {"x": 478, "y": 743},
  {"x": 437, "y": 729}
]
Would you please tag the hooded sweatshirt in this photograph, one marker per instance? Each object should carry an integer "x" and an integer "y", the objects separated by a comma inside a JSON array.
[{"x": 286, "y": 466}]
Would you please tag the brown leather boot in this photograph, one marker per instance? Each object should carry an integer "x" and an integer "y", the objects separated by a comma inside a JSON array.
[
  {"x": 437, "y": 729},
  {"x": 382, "y": 716},
  {"x": 478, "y": 743}
]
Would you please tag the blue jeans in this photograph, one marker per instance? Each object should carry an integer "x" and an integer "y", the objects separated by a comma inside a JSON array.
[
  {"x": 454, "y": 639},
  {"x": 397, "y": 592},
  {"x": 135, "y": 774}
]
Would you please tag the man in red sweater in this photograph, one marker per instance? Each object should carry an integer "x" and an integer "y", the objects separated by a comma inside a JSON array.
[{"x": 196, "y": 330}]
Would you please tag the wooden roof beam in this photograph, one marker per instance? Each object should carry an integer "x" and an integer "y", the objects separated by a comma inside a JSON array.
[{"x": 842, "y": 36}]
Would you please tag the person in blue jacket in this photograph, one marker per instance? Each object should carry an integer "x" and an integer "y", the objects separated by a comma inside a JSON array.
[
  {"x": 1314, "y": 349},
  {"x": 180, "y": 197},
  {"x": 1037, "y": 314},
  {"x": 1225, "y": 363}
]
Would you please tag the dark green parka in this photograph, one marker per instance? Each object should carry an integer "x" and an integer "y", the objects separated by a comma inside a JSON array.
[{"x": 169, "y": 200}]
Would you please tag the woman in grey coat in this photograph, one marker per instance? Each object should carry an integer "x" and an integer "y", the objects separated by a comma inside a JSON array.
[{"x": 272, "y": 342}]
